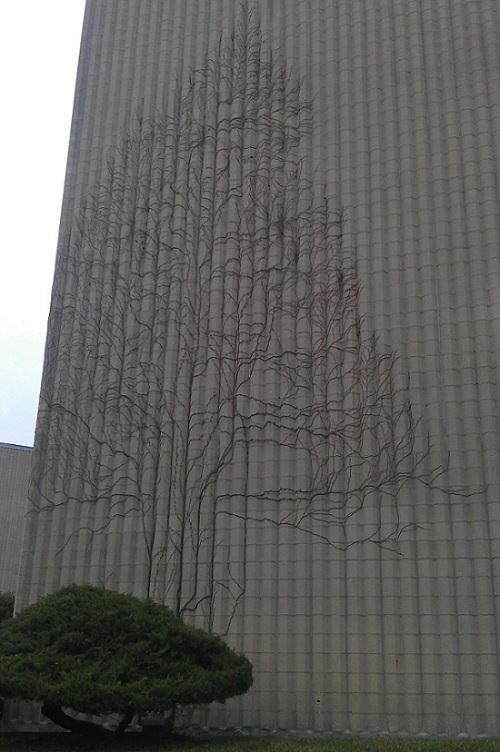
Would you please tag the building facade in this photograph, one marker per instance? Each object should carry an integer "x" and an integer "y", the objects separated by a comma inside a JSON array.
[
  {"x": 15, "y": 463},
  {"x": 256, "y": 456}
]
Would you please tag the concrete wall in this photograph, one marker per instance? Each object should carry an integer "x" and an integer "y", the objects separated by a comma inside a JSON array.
[
  {"x": 14, "y": 476},
  {"x": 407, "y": 96}
]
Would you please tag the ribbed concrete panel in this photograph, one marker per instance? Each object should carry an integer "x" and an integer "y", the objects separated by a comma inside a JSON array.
[
  {"x": 14, "y": 476},
  {"x": 407, "y": 110}
]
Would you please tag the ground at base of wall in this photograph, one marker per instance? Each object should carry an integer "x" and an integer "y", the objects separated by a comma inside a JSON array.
[{"x": 48, "y": 742}]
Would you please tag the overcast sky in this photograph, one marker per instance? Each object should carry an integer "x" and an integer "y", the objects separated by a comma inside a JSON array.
[{"x": 39, "y": 46}]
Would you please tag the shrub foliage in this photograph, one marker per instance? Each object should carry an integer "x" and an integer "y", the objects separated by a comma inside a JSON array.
[{"x": 99, "y": 652}]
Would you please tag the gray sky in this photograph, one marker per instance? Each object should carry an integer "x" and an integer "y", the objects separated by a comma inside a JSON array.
[{"x": 39, "y": 46}]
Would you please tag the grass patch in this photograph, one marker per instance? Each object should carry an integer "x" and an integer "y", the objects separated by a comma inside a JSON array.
[{"x": 137, "y": 743}]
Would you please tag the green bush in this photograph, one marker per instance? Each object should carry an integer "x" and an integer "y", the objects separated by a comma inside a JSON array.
[
  {"x": 6, "y": 605},
  {"x": 99, "y": 652}
]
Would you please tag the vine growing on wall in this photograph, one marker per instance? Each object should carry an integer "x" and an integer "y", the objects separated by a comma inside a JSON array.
[{"x": 209, "y": 367}]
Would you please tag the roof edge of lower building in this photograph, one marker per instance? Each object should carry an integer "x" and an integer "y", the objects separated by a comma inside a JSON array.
[{"x": 21, "y": 447}]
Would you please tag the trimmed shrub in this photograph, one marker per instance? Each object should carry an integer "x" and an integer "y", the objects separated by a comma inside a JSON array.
[{"x": 99, "y": 652}]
